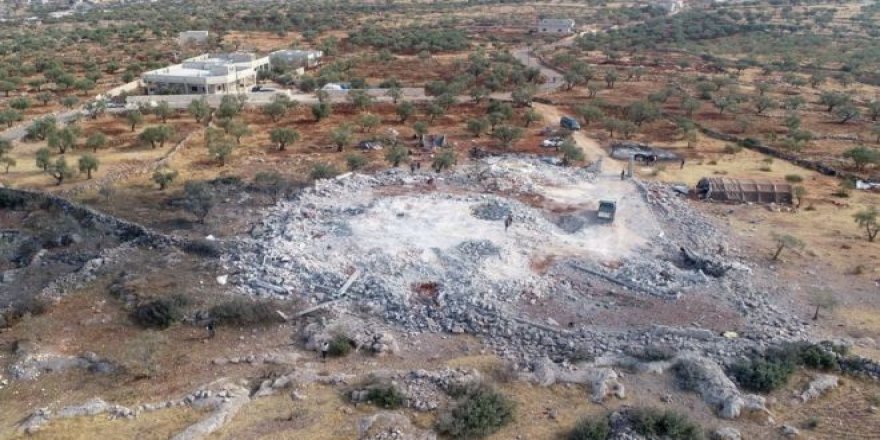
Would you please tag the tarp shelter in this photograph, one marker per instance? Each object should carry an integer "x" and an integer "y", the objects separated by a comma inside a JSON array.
[{"x": 745, "y": 190}]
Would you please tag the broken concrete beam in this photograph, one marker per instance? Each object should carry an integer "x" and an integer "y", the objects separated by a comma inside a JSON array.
[{"x": 341, "y": 293}]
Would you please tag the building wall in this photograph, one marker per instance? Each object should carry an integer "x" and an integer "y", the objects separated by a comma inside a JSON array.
[{"x": 555, "y": 27}]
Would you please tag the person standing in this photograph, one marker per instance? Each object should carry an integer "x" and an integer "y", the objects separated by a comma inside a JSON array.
[
  {"x": 682, "y": 164},
  {"x": 325, "y": 347},
  {"x": 622, "y": 174},
  {"x": 508, "y": 221},
  {"x": 209, "y": 326}
]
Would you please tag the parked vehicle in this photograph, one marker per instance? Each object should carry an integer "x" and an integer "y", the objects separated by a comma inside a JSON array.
[
  {"x": 554, "y": 142},
  {"x": 607, "y": 209},
  {"x": 369, "y": 145},
  {"x": 569, "y": 123}
]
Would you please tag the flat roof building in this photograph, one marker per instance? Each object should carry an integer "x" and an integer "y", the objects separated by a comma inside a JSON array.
[
  {"x": 207, "y": 74},
  {"x": 555, "y": 26}
]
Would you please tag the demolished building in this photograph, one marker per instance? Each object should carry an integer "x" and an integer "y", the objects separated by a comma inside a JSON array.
[{"x": 725, "y": 189}]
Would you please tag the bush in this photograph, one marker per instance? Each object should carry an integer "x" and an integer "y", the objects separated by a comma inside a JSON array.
[
  {"x": 763, "y": 374},
  {"x": 794, "y": 178},
  {"x": 323, "y": 171},
  {"x": 11, "y": 200},
  {"x": 32, "y": 306},
  {"x": 340, "y": 346},
  {"x": 159, "y": 313},
  {"x": 688, "y": 375},
  {"x": 386, "y": 396},
  {"x": 244, "y": 312},
  {"x": 479, "y": 412},
  {"x": 654, "y": 353},
  {"x": 670, "y": 425},
  {"x": 732, "y": 149},
  {"x": 590, "y": 428},
  {"x": 816, "y": 356}
]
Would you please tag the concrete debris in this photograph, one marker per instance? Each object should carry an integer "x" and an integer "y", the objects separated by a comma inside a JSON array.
[
  {"x": 434, "y": 256},
  {"x": 819, "y": 386}
]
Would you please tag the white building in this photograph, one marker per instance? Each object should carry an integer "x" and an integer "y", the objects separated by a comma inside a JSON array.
[
  {"x": 207, "y": 74},
  {"x": 297, "y": 58},
  {"x": 192, "y": 37},
  {"x": 555, "y": 26},
  {"x": 671, "y": 6}
]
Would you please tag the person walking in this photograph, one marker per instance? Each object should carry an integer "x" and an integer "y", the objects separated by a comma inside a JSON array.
[
  {"x": 325, "y": 347},
  {"x": 508, "y": 221},
  {"x": 412, "y": 167},
  {"x": 682, "y": 164},
  {"x": 622, "y": 174}
]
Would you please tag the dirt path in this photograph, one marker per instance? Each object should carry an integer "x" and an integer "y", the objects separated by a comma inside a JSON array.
[{"x": 592, "y": 150}]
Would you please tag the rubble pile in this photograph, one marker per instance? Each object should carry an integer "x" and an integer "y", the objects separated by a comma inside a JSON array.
[{"x": 430, "y": 253}]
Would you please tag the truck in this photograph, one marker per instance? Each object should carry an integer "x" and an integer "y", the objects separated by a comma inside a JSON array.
[
  {"x": 607, "y": 209},
  {"x": 569, "y": 123}
]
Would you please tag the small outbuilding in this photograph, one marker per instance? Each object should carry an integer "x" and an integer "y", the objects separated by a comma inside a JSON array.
[{"x": 725, "y": 189}]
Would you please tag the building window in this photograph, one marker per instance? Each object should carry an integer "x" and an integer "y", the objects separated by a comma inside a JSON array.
[{"x": 194, "y": 89}]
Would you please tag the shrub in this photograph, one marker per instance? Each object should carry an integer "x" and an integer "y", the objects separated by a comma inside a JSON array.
[
  {"x": 386, "y": 396},
  {"x": 670, "y": 425},
  {"x": 244, "y": 312},
  {"x": 160, "y": 313},
  {"x": 812, "y": 423},
  {"x": 688, "y": 375},
  {"x": 323, "y": 171},
  {"x": 340, "y": 346},
  {"x": 763, "y": 374},
  {"x": 654, "y": 353},
  {"x": 732, "y": 149},
  {"x": 479, "y": 412},
  {"x": 202, "y": 247},
  {"x": 794, "y": 178},
  {"x": 750, "y": 143},
  {"x": 11, "y": 200},
  {"x": 590, "y": 428},
  {"x": 816, "y": 356},
  {"x": 581, "y": 354},
  {"x": 32, "y": 306}
]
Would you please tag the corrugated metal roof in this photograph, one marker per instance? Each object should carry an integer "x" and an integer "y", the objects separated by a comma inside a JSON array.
[{"x": 745, "y": 190}]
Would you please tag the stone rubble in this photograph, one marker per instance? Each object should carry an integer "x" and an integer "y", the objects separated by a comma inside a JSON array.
[{"x": 286, "y": 256}]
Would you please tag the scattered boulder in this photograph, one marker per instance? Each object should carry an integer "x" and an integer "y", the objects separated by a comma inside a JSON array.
[
  {"x": 790, "y": 431},
  {"x": 390, "y": 425},
  {"x": 707, "y": 378},
  {"x": 603, "y": 381},
  {"x": 726, "y": 433},
  {"x": 819, "y": 386},
  {"x": 234, "y": 400}
]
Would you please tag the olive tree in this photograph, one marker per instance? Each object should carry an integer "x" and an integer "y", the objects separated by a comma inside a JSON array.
[
  {"x": 786, "y": 241},
  {"x": 868, "y": 219},
  {"x": 87, "y": 164},
  {"x": 284, "y": 137},
  {"x": 164, "y": 177}
]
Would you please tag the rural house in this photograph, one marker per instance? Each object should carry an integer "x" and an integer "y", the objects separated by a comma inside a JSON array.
[
  {"x": 206, "y": 74},
  {"x": 555, "y": 26}
]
